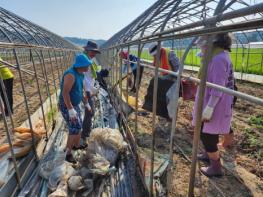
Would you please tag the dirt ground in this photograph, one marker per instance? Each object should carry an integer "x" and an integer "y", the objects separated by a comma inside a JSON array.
[
  {"x": 31, "y": 92},
  {"x": 243, "y": 162}
]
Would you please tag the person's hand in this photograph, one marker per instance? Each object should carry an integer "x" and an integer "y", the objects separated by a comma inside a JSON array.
[
  {"x": 87, "y": 106},
  {"x": 207, "y": 114},
  {"x": 97, "y": 85},
  {"x": 73, "y": 115}
]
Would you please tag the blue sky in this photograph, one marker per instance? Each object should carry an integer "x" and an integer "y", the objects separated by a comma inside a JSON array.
[{"x": 96, "y": 19}]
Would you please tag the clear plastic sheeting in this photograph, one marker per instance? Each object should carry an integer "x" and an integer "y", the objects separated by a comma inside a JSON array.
[
  {"x": 48, "y": 166},
  {"x": 4, "y": 166}
]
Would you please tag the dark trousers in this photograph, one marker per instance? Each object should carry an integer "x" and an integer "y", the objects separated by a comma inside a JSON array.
[
  {"x": 8, "y": 83},
  {"x": 87, "y": 121},
  {"x": 210, "y": 141},
  {"x": 134, "y": 72}
]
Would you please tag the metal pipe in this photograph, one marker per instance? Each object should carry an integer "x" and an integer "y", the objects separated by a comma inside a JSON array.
[
  {"x": 39, "y": 94},
  {"x": 198, "y": 122},
  {"x": 9, "y": 138},
  {"x": 29, "y": 72},
  {"x": 7, "y": 45},
  {"x": 59, "y": 76},
  {"x": 176, "y": 99},
  {"x": 26, "y": 104},
  {"x": 137, "y": 87},
  {"x": 47, "y": 84},
  {"x": 158, "y": 62},
  {"x": 238, "y": 94},
  {"x": 128, "y": 69},
  {"x": 120, "y": 77},
  {"x": 258, "y": 8},
  {"x": 53, "y": 75},
  {"x": 248, "y": 25},
  {"x": 6, "y": 101}
]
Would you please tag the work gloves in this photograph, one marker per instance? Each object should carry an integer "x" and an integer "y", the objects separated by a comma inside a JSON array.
[
  {"x": 207, "y": 113},
  {"x": 73, "y": 115}
]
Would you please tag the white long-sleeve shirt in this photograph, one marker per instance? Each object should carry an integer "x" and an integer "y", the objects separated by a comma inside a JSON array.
[{"x": 89, "y": 82}]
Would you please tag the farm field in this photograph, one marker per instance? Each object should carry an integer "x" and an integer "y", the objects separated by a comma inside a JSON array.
[{"x": 244, "y": 60}]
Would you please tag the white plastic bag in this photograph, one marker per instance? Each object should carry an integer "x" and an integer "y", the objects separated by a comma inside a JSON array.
[
  {"x": 48, "y": 166},
  {"x": 4, "y": 165},
  {"x": 75, "y": 183},
  {"x": 56, "y": 175},
  {"x": 170, "y": 97}
]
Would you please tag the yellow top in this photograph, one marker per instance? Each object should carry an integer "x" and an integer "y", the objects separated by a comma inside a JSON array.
[{"x": 5, "y": 73}]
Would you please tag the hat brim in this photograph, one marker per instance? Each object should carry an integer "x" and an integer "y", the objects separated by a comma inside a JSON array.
[
  {"x": 91, "y": 49},
  {"x": 80, "y": 65}
]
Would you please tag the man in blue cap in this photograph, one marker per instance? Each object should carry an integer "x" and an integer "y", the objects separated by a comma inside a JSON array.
[
  {"x": 70, "y": 97},
  {"x": 91, "y": 88}
]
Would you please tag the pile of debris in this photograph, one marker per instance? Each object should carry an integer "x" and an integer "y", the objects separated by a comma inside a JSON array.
[
  {"x": 95, "y": 162},
  {"x": 22, "y": 145}
]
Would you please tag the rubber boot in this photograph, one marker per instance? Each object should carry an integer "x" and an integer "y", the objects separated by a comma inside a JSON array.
[
  {"x": 215, "y": 169},
  {"x": 203, "y": 156}
]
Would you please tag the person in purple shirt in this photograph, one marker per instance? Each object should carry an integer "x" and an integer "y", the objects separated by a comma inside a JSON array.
[{"x": 217, "y": 106}]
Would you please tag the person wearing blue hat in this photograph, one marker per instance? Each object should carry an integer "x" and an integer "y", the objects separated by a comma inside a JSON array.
[{"x": 69, "y": 99}]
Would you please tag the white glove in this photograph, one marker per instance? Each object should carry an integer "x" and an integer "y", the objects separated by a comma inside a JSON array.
[
  {"x": 87, "y": 105},
  {"x": 72, "y": 114},
  {"x": 207, "y": 113},
  {"x": 96, "y": 85}
]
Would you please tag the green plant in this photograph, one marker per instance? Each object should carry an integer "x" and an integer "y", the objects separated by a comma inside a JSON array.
[
  {"x": 51, "y": 114},
  {"x": 257, "y": 121},
  {"x": 244, "y": 60}
]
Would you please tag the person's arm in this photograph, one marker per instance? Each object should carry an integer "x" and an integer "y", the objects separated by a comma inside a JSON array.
[
  {"x": 86, "y": 101},
  {"x": 174, "y": 61},
  {"x": 219, "y": 77},
  {"x": 69, "y": 80},
  {"x": 68, "y": 83},
  {"x": 209, "y": 109}
]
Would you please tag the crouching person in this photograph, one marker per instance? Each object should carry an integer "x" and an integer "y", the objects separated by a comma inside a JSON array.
[{"x": 70, "y": 97}]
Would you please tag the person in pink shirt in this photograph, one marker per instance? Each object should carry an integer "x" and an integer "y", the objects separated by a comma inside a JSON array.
[{"x": 217, "y": 106}]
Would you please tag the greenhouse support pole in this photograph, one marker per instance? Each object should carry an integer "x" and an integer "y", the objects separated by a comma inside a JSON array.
[
  {"x": 137, "y": 86},
  {"x": 127, "y": 79},
  {"x": 198, "y": 122},
  {"x": 154, "y": 113},
  {"x": 26, "y": 104},
  {"x": 39, "y": 93},
  {"x": 9, "y": 136}
]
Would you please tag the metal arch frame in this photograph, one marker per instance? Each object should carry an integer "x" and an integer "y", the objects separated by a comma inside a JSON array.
[
  {"x": 48, "y": 39},
  {"x": 201, "y": 28},
  {"x": 133, "y": 25},
  {"x": 17, "y": 36},
  {"x": 225, "y": 16},
  {"x": 58, "y": 42}
]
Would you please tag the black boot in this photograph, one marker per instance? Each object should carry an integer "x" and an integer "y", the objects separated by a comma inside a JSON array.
[{"x": 70, "y": 158}]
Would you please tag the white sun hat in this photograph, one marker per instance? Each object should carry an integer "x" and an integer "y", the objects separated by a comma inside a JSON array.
[{"x": 153, "y": 48}]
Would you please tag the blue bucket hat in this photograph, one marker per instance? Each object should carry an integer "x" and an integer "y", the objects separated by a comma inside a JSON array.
[{"x": 82, "y": 61}]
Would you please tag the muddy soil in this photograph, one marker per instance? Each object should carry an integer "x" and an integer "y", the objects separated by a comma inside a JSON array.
[{"x": 246, "y": 155}]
